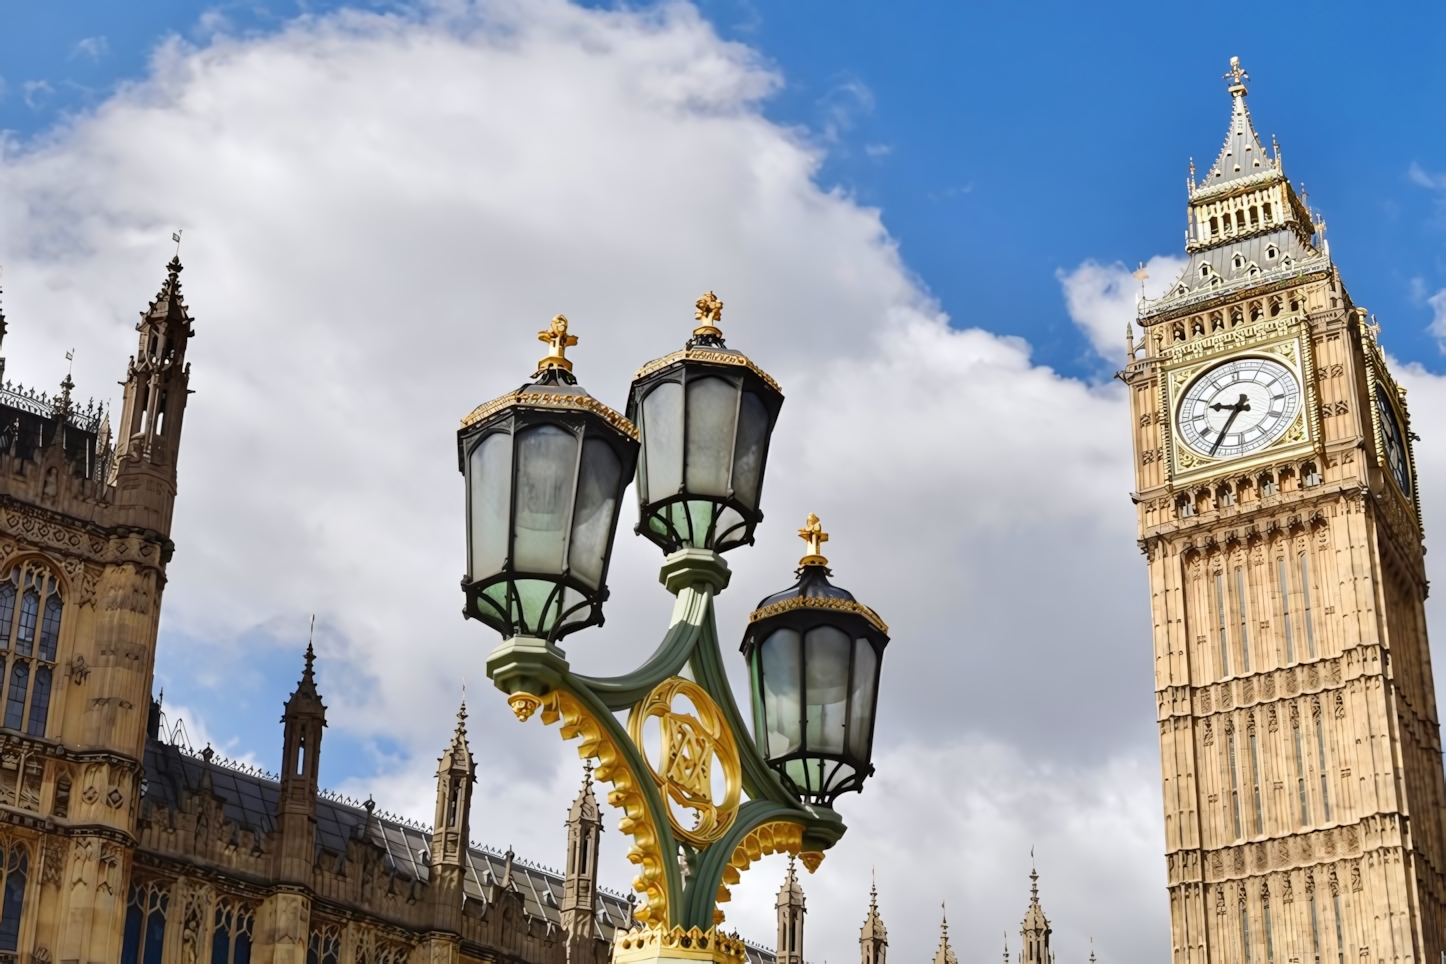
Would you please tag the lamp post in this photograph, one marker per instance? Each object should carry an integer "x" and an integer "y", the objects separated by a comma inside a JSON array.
[{"x": 545, "y": 469}]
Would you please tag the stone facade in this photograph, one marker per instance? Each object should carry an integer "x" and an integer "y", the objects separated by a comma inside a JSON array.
[
  {"x": 1278, "y": 517},
  {"x": 117, "y": 845}
]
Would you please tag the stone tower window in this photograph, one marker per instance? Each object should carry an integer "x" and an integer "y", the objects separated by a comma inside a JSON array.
[
  {"x": 16, "y": 865},
  {"x": 30, "y": 610},
  {"x": 325, "y": 945},
  {"x": 145, "y": 931},
  {"x": 231, "y": 940}
]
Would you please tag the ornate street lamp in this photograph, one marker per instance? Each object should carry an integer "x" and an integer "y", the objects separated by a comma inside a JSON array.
[
  {"x": 705, "y": 415},
  {"x": 814, "y": 654},
  {"x": 545, "y": 468}
]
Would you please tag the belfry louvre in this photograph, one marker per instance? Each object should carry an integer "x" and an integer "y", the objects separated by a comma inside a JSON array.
[{"x": 1278, "y": 514}]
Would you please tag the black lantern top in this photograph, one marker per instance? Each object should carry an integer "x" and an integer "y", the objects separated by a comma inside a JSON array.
[
  {"x": 546, "y": 467},
  {"x": 705, "y": 415},
  {"x": 814, "y": 654}
]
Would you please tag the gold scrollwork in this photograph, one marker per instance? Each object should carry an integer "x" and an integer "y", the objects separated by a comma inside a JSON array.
[
  {"x": 646, "y": 851},
  {"x": 774, "y": 837},
  {"x": 522, "y": 398},
  {"x": 688, "y": 746},
  {"x": 820, "y": 602}
]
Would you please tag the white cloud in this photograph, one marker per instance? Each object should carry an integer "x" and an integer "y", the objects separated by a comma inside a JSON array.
[
  {"x": 92, "y": 48},
  {"x": 1102, "y": 299},
  {"x": 379, "y": 214},
  {"x": 1438, "y": 314}
]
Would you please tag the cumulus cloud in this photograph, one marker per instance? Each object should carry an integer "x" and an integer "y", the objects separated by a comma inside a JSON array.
[
  {"x": 1438, "y": 315},
  {"x": 1102, "y": 298},
  {"x": 381, "y": 210}
]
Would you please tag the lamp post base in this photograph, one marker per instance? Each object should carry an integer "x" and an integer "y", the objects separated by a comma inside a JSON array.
[{"x": 644, "y": 944}]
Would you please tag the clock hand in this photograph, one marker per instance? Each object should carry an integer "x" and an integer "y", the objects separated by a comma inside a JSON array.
[{"x": 1241, "y": 406}]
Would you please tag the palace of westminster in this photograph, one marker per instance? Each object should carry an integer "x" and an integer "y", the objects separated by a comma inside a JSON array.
[{"x": 1278, "y": 515}]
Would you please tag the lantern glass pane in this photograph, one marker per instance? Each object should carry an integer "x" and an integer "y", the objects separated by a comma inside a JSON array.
[
  {"x": 730, "y": 529},
  {"x": 712, "y": 415},
  {"x": 662, "y": 433},
  {"x": 539, "y": 606},
  {"x": 782, "y": 690},
  {"x": 837, "y": 775},
  {"x": 748, "y": 453},
  {"x": 826, "y": 651},
  {"x": 570, "y": 598},
  {"x": 546, "y": 474},
  {"x": 861, "y": 699},
  {"x": 597, "y": 501},
  {"x": 491, "y": 476}
]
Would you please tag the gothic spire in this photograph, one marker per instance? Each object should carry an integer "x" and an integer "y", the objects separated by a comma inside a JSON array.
[
  {"x": 1035, "y": 929},
  {"x": 874, "y": 937},
  {"x": 1242, "y": 154},
  {"x": 790, "y": 907},
  {"x": 945, "y": 953}
]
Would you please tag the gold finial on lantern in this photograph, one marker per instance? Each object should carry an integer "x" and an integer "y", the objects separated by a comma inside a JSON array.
[
  {"x": 709, "y": 310},
  {"x": 559, "y": 341},
  {"x": 813, "y": 534}
]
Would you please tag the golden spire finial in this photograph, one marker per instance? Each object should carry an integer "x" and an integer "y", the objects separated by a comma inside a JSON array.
[
  {"x": 813, "y": 534},
  {"x": 709, "y": 310},
  {"x": 1235, "y": 75},
  {"x": 559, "y": 341}
]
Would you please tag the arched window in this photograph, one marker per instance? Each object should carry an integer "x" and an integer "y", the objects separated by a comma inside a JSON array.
[
  {"x": 1271, "y": 252},
  {"x": 1254, "y": 215},
  {"x": 29, "y": 644},
  {"x": 1265, "y": 211},
  {"x": 145, "y": 931},
  {"x": 1240, "y": 220},
  {"x": 17, "y": 866},
  {"x": 1214, "y": 226},
  {"x": 1255, "y": 311},
  {"x": 1205, "y": 271},
  {"x": 1236, "y": 317},
  {"x": 1310, "y": 475},
  {"x": 1217, "y": 321},
  {"x": 1179, "y": 333},
  {"x": 1274, "y": 307},
  {"x": 231, "y": 939},
  {"x": 324, "y": 946}
]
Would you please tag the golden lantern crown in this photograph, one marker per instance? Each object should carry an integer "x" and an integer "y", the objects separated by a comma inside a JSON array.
[{"x": 813, "y": 534}]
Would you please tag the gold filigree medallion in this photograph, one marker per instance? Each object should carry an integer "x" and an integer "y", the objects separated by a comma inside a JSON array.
[{"x": 688, "y": 745}]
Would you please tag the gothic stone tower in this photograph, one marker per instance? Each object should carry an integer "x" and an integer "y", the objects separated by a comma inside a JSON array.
[
  {"x": 790, "y": 907},
  {"x": 84, "y": 543},
  {"x": 1278, "y": 515}
]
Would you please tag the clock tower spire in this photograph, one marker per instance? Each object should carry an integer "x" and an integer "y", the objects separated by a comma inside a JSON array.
[{"x": 1278, "y": 516}]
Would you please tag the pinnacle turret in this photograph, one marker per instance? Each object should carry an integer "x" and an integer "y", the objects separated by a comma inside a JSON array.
[{"x": 945, "y": 953}]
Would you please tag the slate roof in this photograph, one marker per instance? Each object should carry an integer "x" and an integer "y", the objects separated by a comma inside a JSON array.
[
  {"x": 1242, "y": 154},
  {"x": 1243, "y": 263},
  {"x": 250, "y": 800}
]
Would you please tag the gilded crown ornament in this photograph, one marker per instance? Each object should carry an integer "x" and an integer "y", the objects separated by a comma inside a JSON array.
[
  {"x": 1235, "y": 74},
  {"x": 558, "y": 341},
  {"x": 812, "y": 533},
  {"x": 708, "y": 310}
]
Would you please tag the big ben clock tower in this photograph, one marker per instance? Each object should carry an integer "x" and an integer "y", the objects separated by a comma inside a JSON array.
[{"x": 1278, "y": 513}]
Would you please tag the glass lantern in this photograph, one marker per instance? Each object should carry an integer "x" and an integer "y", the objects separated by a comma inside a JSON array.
[
  {"x": 814, "y": 654},
  {"x": 545, "y": 468},
  {"x": 704, "y": 415}
]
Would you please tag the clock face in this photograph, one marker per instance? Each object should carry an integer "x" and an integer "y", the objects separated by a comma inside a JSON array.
[
  {"x": 1238, "y": 407},
  {"x": 1395, "y": 440}
]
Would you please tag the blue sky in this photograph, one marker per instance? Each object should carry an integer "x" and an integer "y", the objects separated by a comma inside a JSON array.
[{"x": 1003, "y": 142}]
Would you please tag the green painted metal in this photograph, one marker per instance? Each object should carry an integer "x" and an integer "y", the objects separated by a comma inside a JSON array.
[{"x": 695, "y": 576}]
